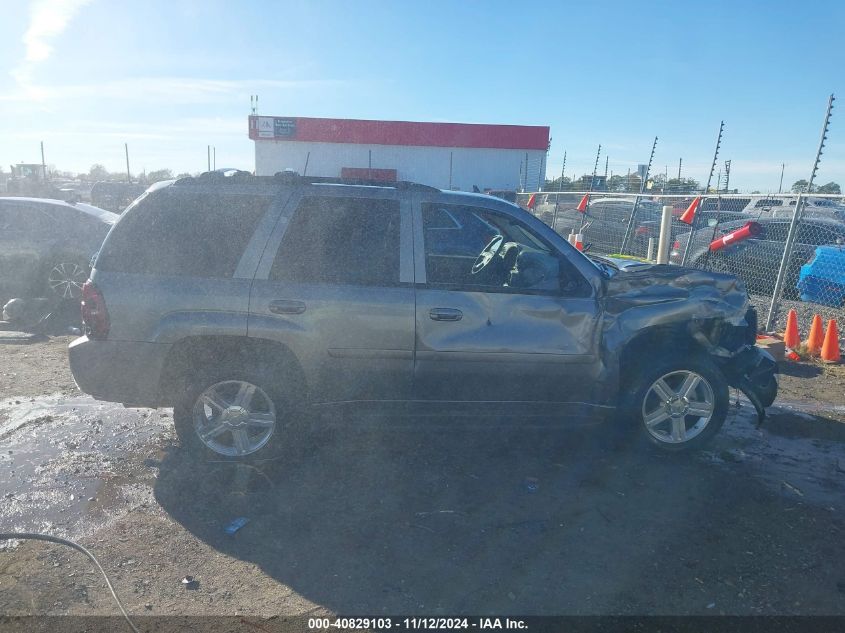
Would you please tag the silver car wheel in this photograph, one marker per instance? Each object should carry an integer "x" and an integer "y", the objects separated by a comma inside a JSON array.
[
  {"x": 234, "y": 418},
  {"x": 678, "y": 406},
  {"x": 66, "y": 280}
]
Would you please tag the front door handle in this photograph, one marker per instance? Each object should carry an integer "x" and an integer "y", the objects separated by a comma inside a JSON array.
[
  {"x": 445, "y": 314},
  {"x": 286, "y": 306}
]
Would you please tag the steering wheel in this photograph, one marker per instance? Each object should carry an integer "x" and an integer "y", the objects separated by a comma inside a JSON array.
[{"x": 486, "y": 256}]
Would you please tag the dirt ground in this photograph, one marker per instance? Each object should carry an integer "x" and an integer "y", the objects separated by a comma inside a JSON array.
[{"x": 378, "y": 515}]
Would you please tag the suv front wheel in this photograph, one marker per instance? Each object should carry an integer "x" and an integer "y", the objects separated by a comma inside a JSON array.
[
  {"x": 678, "y": 405},
  {"x": 233, "y": 415}
]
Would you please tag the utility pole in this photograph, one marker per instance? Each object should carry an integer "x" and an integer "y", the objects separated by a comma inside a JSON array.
[
  {"x": 128, "y": 173},
  {"x": 214, "y": 157},
  {"x": 208, "y": 152},
  {"x": 780, "y": 186},
  {"x": 43, "y": 163}
]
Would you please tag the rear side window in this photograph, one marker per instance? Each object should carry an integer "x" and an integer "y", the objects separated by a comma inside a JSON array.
[
  {"x": 183, "y": 235},
  {"x": 27, "y": 218},
  {"x": 336, "y": 240}
]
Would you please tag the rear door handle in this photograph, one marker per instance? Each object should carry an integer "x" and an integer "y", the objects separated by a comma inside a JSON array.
[
  {"x": 287, "y": 306},
  {"x": 445, "y": 314}
]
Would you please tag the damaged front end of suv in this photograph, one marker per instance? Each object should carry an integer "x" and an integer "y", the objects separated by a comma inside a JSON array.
[{"x": 669, "y": 310}]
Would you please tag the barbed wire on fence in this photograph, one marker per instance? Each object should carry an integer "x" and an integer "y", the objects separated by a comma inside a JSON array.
[{"x": 814, "y": 276}]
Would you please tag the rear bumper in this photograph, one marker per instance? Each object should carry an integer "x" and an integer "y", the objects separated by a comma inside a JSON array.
[{"x": 119, "y": 371}]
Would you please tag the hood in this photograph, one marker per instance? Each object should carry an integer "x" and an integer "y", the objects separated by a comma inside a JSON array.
[{"x": 663, "y": 293}]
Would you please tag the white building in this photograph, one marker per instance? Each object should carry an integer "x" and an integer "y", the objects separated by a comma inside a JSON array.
[{"x": 444, "y": 155}]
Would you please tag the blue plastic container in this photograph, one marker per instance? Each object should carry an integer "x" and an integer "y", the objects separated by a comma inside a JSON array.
[{"x": 822, "y": 279}]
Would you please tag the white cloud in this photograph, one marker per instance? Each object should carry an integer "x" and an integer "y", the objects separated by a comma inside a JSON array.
[
  {"x": 47, "y": 20},
  {"x": 173, "y": 90},
  {"x": 188, "y": 128}
]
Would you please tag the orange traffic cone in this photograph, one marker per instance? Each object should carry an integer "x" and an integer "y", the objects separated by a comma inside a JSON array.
[
  {"x": 816, "y": 337},
  {"x": 791, "y": 338},
  {"x": 689, "y": 214},
  {"x": 582, "y": 206},
  {"x": 830, "y": 348},
  {"x": 579, "y": 241}
]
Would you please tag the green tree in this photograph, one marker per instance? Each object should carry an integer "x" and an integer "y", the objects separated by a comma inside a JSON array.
[
  {"x": 830, "y": 187},
  {"x": 800, "y": 186},
  {"x": 159, "y": 175},
  {"x": 98, "y": 172},
  {"x": 555, "y": 185},
  {"x": 684, "y": 185}
]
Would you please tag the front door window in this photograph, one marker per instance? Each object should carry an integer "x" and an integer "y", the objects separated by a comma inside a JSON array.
[{"x": 470, "y": 248}]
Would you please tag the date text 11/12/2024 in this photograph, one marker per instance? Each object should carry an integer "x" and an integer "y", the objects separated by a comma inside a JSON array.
[{"x": 417, "y": 623}]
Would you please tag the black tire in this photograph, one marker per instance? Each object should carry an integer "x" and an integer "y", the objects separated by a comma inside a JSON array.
[
  {"x": 186, "y": 412},
  {"x": 639, "y": 395}
]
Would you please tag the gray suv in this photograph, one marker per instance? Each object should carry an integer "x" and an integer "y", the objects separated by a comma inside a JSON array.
[{"x": 242, "y": 301}]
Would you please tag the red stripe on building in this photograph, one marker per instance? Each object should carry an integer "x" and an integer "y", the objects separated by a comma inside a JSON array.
[
  {"x": 531, "y": 137},
  {"x": 366, "y": 173}
]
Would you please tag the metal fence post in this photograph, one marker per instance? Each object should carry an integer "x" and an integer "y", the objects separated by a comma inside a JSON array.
[
  {"x": 559, "y": 188},
  {"x": 695, "y": 217},
  {"x": 629, "y": 229},
  {"x": 665, "y": 235},
  {"x": 796, "y": 217}
]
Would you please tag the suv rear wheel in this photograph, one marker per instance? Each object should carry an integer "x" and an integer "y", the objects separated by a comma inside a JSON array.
[
  {"x": 678, "y": 405},
  {"x": 234, "y": 415}
]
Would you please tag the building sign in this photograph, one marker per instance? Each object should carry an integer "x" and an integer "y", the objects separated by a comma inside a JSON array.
[
  {"x": 265, "y": 127},
  {"x": 284, "y": 128},
  {"x": 275, "y": 127}
]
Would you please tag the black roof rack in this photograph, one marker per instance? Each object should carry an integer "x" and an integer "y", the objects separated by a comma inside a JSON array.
[{"x": 293, "y": 178}]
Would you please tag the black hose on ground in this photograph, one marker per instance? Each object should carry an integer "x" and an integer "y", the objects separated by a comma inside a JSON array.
[{"x": 32, "y": 536}]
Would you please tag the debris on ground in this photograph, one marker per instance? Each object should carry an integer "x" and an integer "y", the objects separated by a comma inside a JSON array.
[
  {"x": 190, "y": 583},
  {"x": 236, "y": 525}
]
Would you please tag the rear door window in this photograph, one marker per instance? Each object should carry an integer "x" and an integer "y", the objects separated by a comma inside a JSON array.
[
  {"x": 339, "y": 240},
  {"x": 192, "y": 235}
]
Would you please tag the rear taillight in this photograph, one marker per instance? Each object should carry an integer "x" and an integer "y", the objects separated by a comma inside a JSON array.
[
  {"x": 642, "y": 230},
  {"x": 95, "y": 317},
  {"x": 676, "y": 246}
]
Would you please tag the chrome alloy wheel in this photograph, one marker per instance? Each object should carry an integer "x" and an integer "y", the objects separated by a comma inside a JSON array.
[
  {"x": 678, "y": 406},
  {"x": 66, "y": 280},
  {"x": 234, "y": 418}
]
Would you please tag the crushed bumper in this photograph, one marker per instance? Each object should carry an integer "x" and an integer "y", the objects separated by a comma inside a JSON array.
[{"x": 754, "y": 372}]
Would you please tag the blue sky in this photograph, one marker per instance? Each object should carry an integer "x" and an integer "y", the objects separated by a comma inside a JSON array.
[{"x": 170, "y": 78}]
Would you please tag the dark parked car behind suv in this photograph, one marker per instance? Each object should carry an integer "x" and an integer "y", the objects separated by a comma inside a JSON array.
[
  {"x": 46, "y": 246},
  {"x": 242, "y": 300}
]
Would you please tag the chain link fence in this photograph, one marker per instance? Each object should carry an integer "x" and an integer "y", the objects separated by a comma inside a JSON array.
[{"x": 618, "y": 224}]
